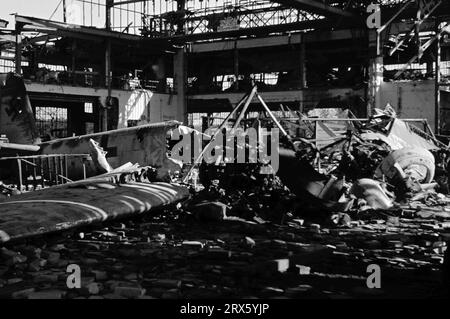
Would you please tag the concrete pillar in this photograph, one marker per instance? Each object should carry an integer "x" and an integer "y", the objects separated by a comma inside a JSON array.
[
  {"x": 109, "y": 4},
  {"x": 179, "y": 81},
  {"x": 303, "y": 65},
  {"x": 64, "y": 11},
  {"x": 180, "y": 9},
  {"x": 375, "y": 73},
  {"x": 430, "y": 67},
  {"x": 108, "y": 71},
  {"x": 236, "y": 66},
  {"x": 18, "y": 53},
  {"x": 437, "y": 108},
  {"x": 74, "y": 65}
]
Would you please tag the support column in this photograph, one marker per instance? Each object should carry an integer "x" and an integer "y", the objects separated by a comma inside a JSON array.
[
  {"x": 180, "y": 79},
  {"x": 108, "y": 72},
  {"x": 74, "y": 62},
  {"x": 437, "y": 107},
  {"x": 303, "y": 83},
  {"x": 430, "y": 66},
  {"x": 64, "y": 11},
  {"x": 375, "y": 72},
  {"x": 18, "y": 53},
  {"x": 236, "y": 66},
  {"x": 180, "y": 9}
]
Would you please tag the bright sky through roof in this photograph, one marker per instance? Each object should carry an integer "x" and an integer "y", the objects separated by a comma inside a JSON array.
[
  {"x": 36, "y": 8},
  {"x": 85, "y": 13}
]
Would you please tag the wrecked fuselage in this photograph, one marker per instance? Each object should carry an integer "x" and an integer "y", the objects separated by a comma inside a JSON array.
[
  {"x": 146, "y": 145},
  {"x": 121, "y": 192}
]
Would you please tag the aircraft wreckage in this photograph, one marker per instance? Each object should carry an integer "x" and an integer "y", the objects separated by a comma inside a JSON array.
[
  {"x": 373, "y": 163},
  {"x": 100, "y": 193}
]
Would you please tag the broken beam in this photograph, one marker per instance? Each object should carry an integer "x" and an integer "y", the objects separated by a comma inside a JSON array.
[
  {"x": 422, "y": 49},
  {"x": 416, "y": 28}
]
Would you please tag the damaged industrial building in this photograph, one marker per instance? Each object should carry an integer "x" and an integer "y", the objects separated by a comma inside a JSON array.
[{"x": 203, "y": 149}]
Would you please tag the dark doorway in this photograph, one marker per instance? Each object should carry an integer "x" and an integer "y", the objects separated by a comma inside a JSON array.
[{"x": 61, "y": 117}]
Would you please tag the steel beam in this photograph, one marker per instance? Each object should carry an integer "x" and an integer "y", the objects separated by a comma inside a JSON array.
[
  {"x": 422, "y": 49},
  {"x": 278, "y": 40},
  {"x": 18, "y": 60},
  {"x": 437, "y": 78},
  {"x": 319, "y": 7},
  {"x": 75, "y": 31},
  {"x": 395, "y": 16},
  {"x": 416, "y": 28},
  {"x": 120, "y": 3}
]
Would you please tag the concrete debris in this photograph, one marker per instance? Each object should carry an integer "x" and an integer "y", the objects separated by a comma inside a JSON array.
[
  {"x": 224, "y": 260},
  {"x": 239, "y": 192},
  {"x": 375, "y": 195},
  {"x": 46, "y": 295},
  {"x": 128, "y": 291}
]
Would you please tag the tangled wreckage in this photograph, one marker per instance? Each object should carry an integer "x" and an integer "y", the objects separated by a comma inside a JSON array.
[
  {"x": 353, "y": 169},
  {"x": 376, "y": 163}
]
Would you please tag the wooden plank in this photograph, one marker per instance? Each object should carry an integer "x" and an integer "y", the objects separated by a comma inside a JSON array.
[{"x": 65, "y": 207}]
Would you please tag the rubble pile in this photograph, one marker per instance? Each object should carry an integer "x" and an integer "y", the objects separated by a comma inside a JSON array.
[
  {"x": 374, "y": 196},
  {"x": 243, "y": 191},
  {"x": 177, "y": 255},
  {"x": 377, "y": 165}
]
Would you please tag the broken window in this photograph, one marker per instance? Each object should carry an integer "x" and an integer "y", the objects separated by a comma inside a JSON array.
[{"x": 51, "y": 121}]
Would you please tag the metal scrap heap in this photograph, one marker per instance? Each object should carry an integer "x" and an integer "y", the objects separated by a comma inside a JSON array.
[
  {"x": 380, "y": 164},
  {"x": 376, "y": 194}
]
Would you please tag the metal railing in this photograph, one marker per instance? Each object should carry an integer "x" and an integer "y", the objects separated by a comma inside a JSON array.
[
  {"x": 40, "y": 171},
  {"x": 95, "y": 80}
]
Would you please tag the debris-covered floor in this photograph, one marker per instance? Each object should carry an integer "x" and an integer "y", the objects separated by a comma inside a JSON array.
[
  {"x": 177, "y": 254},
  {"x": 311, "y": 222}
]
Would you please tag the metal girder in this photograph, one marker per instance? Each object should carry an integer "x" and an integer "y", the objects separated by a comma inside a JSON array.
[
  {"x": 41, "y": 38},
  {"x": 119, "y": 3},
  {"x": 257, "y": 31},
  {"x": 422, "y": 49},
  {"x": 416, "y": 28},
  {"x": 319, "y": 7},
  {"x": 75, "y": 31},
  {"x": 278, "y": 40},
  {"x": 397, "y": 14}
]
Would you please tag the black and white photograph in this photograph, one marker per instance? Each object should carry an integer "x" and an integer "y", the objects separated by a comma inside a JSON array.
[{"x": 225, "y": 157}]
